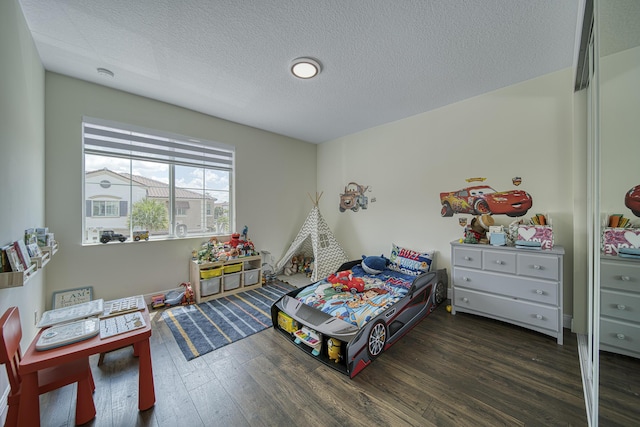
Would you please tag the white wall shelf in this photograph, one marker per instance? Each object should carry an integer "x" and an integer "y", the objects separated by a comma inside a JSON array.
[{"x": 20, "y": 278}]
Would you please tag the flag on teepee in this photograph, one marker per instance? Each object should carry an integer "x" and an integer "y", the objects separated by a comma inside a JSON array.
[{"x": 316, "y": 239}]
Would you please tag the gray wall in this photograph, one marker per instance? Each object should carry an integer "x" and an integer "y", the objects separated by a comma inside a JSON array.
[
  {"x": 273, "y": 176},
  {"x": 21, "y": 156}
]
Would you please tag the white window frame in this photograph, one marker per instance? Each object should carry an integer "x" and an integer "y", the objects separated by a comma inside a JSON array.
[{"x": 113, "y": 139}]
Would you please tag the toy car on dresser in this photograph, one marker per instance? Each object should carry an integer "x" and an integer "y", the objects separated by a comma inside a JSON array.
[{"x": 346, "y": 329}]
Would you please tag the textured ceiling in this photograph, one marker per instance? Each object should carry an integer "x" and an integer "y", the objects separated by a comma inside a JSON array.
[{"x": 383, "y": 60}]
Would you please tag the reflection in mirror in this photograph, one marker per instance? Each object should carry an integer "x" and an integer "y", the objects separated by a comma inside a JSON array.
[{"x": 618, "y": 30}]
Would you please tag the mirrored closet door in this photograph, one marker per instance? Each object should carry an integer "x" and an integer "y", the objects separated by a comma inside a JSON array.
[{"x": 617, "y": 280}]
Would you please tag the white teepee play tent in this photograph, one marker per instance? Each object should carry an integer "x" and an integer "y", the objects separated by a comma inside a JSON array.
[{"x": 315, "y": 239}]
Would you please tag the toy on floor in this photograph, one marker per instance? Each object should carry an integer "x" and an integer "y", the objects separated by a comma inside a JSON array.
[
  {"x": 173, "y": 298},
  {"x": 157, "y": 301},
  {"x": 187, "y": 297}
]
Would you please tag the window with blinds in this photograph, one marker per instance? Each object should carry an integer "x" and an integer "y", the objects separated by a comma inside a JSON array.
[{"x": 140, "y": 179}]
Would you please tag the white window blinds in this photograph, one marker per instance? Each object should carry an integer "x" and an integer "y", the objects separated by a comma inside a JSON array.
[{"x": 131, "y": 142}]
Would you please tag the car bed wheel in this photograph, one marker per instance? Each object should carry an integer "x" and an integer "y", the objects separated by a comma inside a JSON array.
[
  {"x": 377, "y": 339},
  {"x": 446, "y": 210},
  {"x": 439, "y": 293}
]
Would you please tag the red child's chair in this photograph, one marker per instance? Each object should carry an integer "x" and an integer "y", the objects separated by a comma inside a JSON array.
[{"x": 77, "y": 371}]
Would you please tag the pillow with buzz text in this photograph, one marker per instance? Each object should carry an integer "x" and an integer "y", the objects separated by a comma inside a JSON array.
[{"x": 409, "y": 261}]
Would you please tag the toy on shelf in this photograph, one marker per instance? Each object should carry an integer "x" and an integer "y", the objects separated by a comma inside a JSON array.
[
  {"x": 213, "y": 250},
  {"x": 309, "y": 337},
  {"x": 333, "y": 349},
  {"x": 476, "y": 232},
  {"x": 287, "y": 323}
]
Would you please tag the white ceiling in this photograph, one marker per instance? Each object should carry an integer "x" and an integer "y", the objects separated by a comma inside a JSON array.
[{"x": 383, "y": 60}]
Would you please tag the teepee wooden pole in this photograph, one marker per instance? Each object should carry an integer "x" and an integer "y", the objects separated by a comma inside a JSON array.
[{"x": 315, "y": 203}]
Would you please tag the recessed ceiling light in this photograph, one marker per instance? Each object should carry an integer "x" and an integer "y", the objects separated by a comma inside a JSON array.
[
  {"x": 105, "y": 73},
  {"x": 305, "y": 68}
]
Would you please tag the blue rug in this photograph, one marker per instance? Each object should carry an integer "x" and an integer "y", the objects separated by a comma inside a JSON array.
[{"x": 202, "y": 328}]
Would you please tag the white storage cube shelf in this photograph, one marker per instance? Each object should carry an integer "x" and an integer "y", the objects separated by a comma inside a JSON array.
[
  {"x": 251, "y": 277},
  {"x": 210, "y": 286},
  {"x": 216, "y": 279},
  {"x": 231, "y": 281}
]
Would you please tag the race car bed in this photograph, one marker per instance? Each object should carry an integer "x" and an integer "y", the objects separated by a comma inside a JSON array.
[{"x": 349, "y": 318}]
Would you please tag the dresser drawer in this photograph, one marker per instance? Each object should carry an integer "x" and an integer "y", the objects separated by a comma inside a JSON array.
[
  {"x": 540, "y": 266},
  {"x": 620, "y": 305},
  {"x": 620, "y": 334},
  {"x": 623, "y": 276},
  {"x": 540, "y": 316},
  {"x": 466, "y": 257},
  {"x": 502, "y": 262},
  {"x": 540, "y": 291}
]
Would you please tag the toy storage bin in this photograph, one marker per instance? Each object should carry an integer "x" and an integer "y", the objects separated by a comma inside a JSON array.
[
  {"x": 231, "y": 281},
  {"x": 211, "y": 272},
  {"x": 232, "y": 268},
  {"x": 210, "y": 286},
  {"x": 251, "y": 277}
]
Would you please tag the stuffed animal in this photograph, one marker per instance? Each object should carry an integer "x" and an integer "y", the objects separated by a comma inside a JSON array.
[
  {"x": 187, "y": 297},
  {"x": 333, "y": 349},
  {"x": 374, "y": 264},
  {"x": 476, "y": 232}
]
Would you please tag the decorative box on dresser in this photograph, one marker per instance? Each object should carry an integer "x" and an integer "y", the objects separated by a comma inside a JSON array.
[
  {"x": 518, "y": 286},
  {"x": 620, "y": 305}
]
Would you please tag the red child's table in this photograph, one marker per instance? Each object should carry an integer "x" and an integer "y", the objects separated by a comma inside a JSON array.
[{"x": 34, "y": 360}]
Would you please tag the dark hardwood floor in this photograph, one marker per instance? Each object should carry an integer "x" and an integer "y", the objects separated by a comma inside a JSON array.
[{"x": 449, "y": 370}]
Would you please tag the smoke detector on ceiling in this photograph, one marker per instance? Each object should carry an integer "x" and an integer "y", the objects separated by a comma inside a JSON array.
[{"x": 105, "y": 73}]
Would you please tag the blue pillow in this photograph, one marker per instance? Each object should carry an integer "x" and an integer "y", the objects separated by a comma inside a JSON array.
[{"x": 374, "y": 264}]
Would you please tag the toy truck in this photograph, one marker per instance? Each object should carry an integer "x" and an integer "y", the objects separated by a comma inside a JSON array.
[{"x": 109, "y": 235}]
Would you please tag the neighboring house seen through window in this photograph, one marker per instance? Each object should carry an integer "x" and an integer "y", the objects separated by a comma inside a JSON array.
[{"x": 141, "y": 179}]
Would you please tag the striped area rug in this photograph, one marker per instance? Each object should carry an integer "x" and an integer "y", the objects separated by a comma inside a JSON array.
[{"x": 202, "y": 328}]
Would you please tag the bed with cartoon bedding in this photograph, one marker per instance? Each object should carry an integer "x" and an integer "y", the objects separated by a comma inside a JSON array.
[{"x": 349, "y": 318}]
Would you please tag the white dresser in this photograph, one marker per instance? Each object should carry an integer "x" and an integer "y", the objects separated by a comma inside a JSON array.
[
  {"x": 518, "y": 286},
  {"x": 620, "y": 305}
]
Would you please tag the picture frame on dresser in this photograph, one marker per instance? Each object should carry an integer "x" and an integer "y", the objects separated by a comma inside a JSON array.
[{"x": 514, "y": 285}]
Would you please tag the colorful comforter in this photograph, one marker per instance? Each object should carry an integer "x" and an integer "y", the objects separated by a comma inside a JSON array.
[{"x": 380, "y": 292}]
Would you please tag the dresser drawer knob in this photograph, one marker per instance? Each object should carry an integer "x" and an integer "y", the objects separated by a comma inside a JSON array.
[
  {"x": 465, "y": 299},
  {"x": 621, "y": 306},
  {"x": 467, "y": 258},
  {"x": 539, "y": 292},
  {"x": 625, "y": 278},
  {"x": 539, "y": 316},
  {"x": 466, "y": 279},
  {"x": 620, "y": 336},
  {"x": 499, "y": 262},
  {"x": 537, "y": 267}
]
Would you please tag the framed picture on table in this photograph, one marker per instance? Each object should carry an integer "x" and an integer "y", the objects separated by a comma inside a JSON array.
[{"x": 71, "y": 297}]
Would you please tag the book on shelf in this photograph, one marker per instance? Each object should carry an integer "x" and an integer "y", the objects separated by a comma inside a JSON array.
[
  {"x": 34, "y": 250},
  {"x": 14, "y": 260},
  {"x": 41, "y": 235},
  {"x": 23, "y": 254},
  {"x": 4, "y": 258},
  {"x": 30, "y": 236}
]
